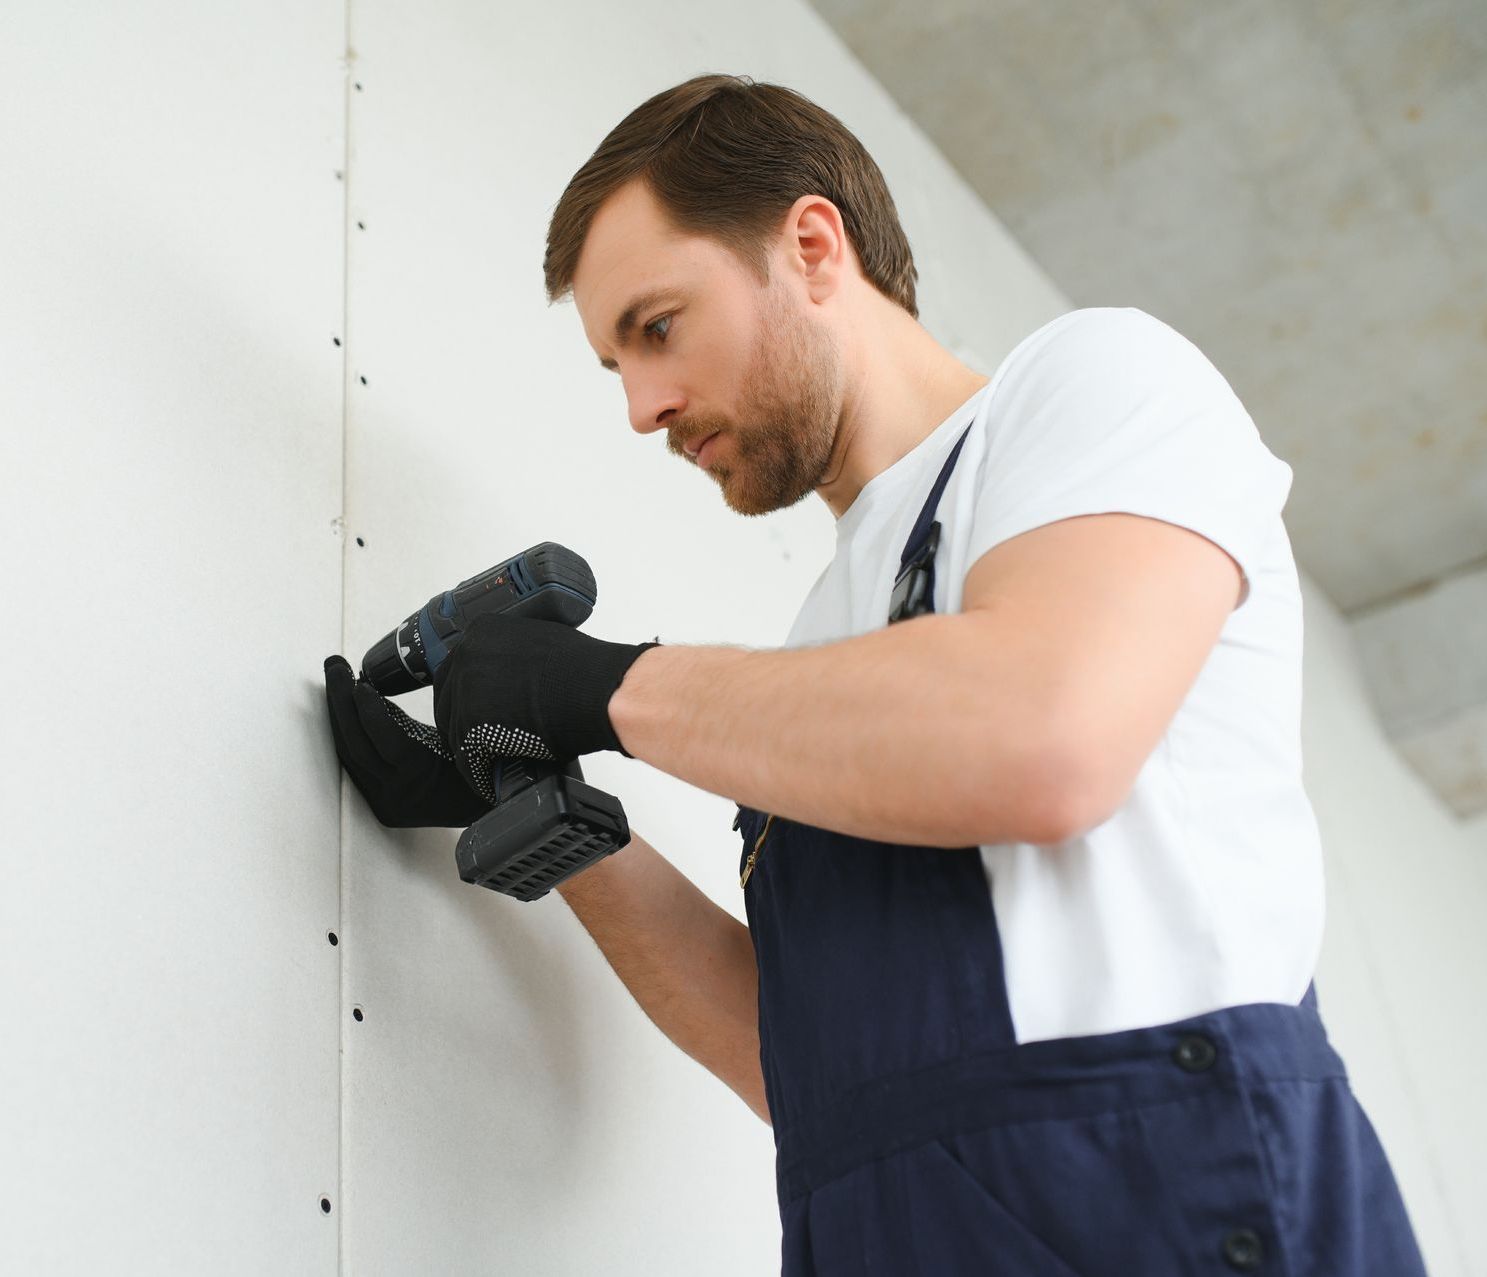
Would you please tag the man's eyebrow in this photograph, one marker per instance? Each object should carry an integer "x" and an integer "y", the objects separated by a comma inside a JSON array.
[{"x": 625, "y": 324}]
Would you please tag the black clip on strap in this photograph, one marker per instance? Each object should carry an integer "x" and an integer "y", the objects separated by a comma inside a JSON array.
[{"x": 914, "y": 588}]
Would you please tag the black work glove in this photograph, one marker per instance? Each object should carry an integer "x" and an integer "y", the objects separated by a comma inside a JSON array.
[
  {"x": 401, "y": 766},
  {"x": 517, "y": 686}
]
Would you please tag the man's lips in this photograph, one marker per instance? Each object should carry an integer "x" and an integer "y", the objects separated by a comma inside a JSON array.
[{"x": 697, "y": 452}]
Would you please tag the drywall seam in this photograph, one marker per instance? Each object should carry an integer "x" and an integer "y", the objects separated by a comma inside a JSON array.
[{"x": 339, "y": 1204}]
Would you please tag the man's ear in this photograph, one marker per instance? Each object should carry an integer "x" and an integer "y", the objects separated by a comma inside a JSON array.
[{"x": 816, "y": 246}]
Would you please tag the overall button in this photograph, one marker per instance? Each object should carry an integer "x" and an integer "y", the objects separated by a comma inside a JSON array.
[
  {"x": 1195, "y": 1053},
  {"x": 1243, "y": 1250}
]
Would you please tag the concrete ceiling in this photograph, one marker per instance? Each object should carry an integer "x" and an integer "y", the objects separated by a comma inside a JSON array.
[{"x": 1301, "y": 189}]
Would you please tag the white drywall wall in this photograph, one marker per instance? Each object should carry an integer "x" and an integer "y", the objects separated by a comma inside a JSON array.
[
  {"x": 172, "y": 430},
  {"x": 170, "y": 469}
]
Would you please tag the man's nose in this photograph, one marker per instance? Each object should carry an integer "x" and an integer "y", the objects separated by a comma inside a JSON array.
[{"x": 652, "y": 404}]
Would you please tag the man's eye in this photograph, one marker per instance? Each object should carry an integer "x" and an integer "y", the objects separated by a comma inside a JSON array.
[{"x": 654, "y": 329}]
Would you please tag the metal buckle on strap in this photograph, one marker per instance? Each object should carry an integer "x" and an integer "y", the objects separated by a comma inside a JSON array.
[{"x": 754, "y": 855}]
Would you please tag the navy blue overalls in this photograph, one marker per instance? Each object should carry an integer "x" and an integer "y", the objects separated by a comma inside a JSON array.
[{"x": 916, "y": 1138}]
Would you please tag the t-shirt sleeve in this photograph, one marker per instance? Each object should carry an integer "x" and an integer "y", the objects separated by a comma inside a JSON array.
[{"x": 1111, "y": 411}]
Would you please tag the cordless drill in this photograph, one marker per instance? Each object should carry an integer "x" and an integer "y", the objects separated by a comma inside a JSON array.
[{"x": 549, "y": 824}]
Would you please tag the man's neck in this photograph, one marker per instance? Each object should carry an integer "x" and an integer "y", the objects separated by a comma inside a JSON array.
[{"x": 903, "y": 386}]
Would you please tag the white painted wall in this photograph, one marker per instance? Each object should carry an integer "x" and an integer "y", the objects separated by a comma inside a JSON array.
[
  {"x": 183, "y": 1080},
  {"x": 1403, "y": 977}
]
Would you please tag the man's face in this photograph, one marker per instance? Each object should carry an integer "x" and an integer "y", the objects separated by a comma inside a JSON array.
[{"x": 709, "y": 350}]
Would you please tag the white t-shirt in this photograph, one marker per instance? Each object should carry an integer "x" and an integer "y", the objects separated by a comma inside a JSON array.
[{"x": 1204, "y": 890}]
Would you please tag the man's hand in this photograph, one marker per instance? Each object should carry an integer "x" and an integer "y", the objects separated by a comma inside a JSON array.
[
  {"x": 525, "y": 688},
  {"x": 401, "y": 766}
]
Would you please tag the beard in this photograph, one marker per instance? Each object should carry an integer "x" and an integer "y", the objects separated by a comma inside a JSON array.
[{"x": 780, "y": 441}]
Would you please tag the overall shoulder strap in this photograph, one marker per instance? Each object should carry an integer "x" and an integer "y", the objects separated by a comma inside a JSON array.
[{"x": 914, "y": 588}]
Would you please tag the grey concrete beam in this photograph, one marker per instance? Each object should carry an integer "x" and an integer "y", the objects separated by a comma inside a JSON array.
[{"x": 1425, "y": 659}]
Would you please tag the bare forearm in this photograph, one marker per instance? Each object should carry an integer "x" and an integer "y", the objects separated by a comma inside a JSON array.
[
  {"x": 900, "y": 734},
  {"x": 687, "y": 962}
]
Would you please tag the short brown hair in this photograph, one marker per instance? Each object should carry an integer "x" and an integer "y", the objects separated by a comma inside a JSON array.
[{"x": 727, "y": 157}]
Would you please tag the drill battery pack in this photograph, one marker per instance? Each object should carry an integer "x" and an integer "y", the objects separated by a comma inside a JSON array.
[{"x": 554, "y": 828}]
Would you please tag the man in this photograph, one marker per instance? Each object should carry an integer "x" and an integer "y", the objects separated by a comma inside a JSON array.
[{"x": 1033, "y": 887}]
